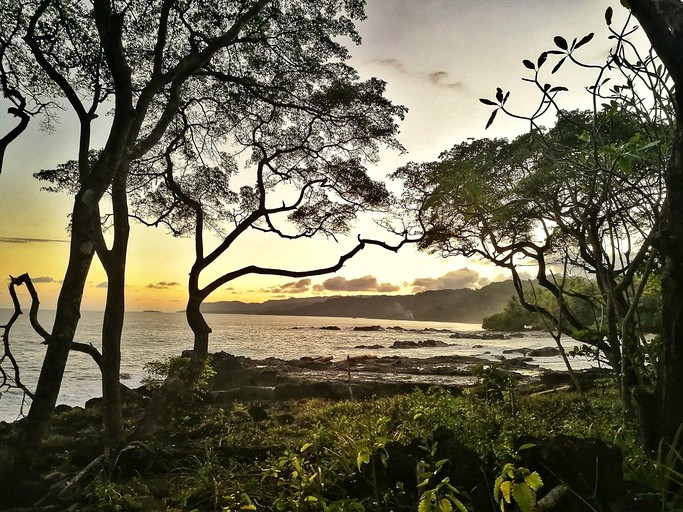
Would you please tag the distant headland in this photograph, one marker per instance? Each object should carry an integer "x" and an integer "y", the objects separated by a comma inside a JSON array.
[{"x": 463, "y": 305}]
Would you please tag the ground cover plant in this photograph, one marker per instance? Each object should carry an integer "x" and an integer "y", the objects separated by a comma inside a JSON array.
[{"x": 426, "y": 450}]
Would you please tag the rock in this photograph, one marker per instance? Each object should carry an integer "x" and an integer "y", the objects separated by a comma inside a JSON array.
[
  {"x": 369, "y": 328},
  {"x": 463, "y": 467},
  {"x": 285, "y": 419},
  {"x": 134, "y": 458},
  {"x": 330, "y": 328},
  {"x": 544, "y": 352},
  {"x": 257, "y": 412},
  {"x": 534, "y": 352},
  {"x": 370, "y": 347},
  {"x": 479, "y": 336},
  {"x": 590, "y": 468},
  {"x": 124, "y": 376},
  {"x": 419, "y": 344}
]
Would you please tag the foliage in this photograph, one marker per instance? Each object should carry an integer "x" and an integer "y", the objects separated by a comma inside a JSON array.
[
  {"x": 180, "y": 367},
  {"x": 494, "y": 383},
  {"x": 513, "y": 318},
  {"x": 579, "y": 202},
  {"x": 437, "y": 494},
  {"x": 517, "y": 486}
]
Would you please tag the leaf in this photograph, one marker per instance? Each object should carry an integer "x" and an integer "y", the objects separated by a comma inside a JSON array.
[
  {"x": 534, "y": 481},
  {"x": 496, "y": 488},
  {"x": 249, "y": 506},
  {"x": 557, "y": 66},
  {"x": 532, "y": 445},
  {"x": 445, "y": 505},
  {"x": 458, "y": 504},
  {"x": 528, "y": 64},
  {"x": 425, "y": 503},
  {"x": 305, "y": 447},
  {"x": 584, "y": 40},
  {"x": 488, "y": 102},
  {"x": 561, "y": 42},
  {"x": 499, "y": 94},
  {"x": 524, "y": 497},
  {"x": 506, "y": 490},
  {"x": 608, "y": 15},
  {"x": 542, "y": 58},
  {"x": 493, "y": 116},
  {"x": 363, "y": 458}
]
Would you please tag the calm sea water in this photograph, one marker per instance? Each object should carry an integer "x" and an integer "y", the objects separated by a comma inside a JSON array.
[{"x": 153, "y": 336}]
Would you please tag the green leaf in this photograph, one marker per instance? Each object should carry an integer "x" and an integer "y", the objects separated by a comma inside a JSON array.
[
  {"x": 534, "y": 481},
  {"x": 496, "y": 488},
  {"x": 445, "y": 505},
  {"x": 425, "y": 503},
  {"x": 458, "y": 504},
  {"x": 305, "y": 447},
  {"x": 249, "y": 506},
  {"x": 524, "y": 496},
  {"x": 506, "y": 490},
  {"x": 363, "y": 457}
]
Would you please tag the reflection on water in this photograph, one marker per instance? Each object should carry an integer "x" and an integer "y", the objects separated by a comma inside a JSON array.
[{"x": 150, "y": 336}]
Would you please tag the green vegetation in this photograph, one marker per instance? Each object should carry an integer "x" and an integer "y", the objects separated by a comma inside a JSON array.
[{"x": 351, "y": 455}]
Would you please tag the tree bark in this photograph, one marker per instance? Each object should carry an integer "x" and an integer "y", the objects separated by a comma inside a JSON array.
[
  {"x": 199, "y": 326},
  {"x": 662, "y": 21},
  {"x": 114, "y": 262},
  {"x": 669, "y": 390},
  {"x": 82, "y": 250}
]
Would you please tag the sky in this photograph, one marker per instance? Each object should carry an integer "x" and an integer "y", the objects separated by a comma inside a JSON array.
[{"x": 438, "y": 58}]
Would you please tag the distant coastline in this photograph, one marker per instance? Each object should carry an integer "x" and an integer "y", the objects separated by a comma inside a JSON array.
[{"x": 463, "y": 305}]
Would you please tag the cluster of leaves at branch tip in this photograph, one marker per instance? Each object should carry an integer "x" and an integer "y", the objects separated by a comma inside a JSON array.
[
  {"x": 565, "y": 49},
  {"x": 517, "y": 486}
]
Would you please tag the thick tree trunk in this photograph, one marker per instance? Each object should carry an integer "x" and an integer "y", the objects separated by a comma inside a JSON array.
[
  {"x": 64, "y": 328},
  {"x": 669, "y": 392}
]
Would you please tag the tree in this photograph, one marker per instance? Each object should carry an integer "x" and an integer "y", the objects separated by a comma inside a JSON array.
[
  {"x": 662, "y": 21},
  {"x": 584, "y": 196},
  {"x": 148, "y": 63}
]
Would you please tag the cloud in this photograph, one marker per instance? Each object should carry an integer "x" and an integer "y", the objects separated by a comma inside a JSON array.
[
  {"x": 162, "y": 285},
  {"x": 454, "y": 280},
  {"x": 360, "y": 284},
  {"x": 299, "y": 286},
  {"x": 103, "y": 284},
  {"x": 18, "y": 240},
  {"x": 438, "y": 78},
  {"x": 43, "y": 279}
]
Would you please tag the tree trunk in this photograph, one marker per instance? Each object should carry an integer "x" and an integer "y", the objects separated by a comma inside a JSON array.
[
  {"x": 669, "y": 391},
  {"x": 199, "y": 327},
  {"x": 64, "y": 328},
  {"x": 114, "y": 262}
]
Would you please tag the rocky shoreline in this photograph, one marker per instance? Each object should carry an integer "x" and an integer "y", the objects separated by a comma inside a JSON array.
[{"x": 364, "y": 376}]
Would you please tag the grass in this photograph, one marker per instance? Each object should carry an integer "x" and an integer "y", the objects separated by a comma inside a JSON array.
[{"x": 342, "y": 455}]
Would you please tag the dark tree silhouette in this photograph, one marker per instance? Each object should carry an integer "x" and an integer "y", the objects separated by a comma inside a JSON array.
[{"x": 144, "y": 62}]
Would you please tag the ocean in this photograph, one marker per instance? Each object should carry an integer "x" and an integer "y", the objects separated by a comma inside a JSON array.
[{"x": 152, "y": 336}]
